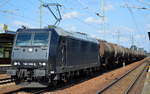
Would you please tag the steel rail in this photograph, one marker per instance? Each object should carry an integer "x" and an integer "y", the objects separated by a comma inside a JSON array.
[
  {"x": 133, "y": 83},
  {"x": 6, "y": 81},
  {"x": 117, "y": 80},
  {"x": 40, "y": 91}
]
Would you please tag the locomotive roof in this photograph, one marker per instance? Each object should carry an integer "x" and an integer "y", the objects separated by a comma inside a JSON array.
[
  {"x": 78, "y": 35},
  {"x": 61, "y": 32}
]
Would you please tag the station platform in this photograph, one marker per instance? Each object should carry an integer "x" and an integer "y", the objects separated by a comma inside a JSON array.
[{"x": 146, "y": 89}]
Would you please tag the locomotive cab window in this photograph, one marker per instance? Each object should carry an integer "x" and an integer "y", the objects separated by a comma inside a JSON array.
[
  {"x": 32, "y": 39},
  {"x": 23, "y": 39},
  {"x": 40, "y": 39}
]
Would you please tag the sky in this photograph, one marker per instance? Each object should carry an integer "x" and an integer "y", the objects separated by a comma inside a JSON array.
[{"x": 121, "y": 22}]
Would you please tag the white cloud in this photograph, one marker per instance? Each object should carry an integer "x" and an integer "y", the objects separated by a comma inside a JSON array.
[
  {"x": 124, "y": 39},
  {"x": 148, "y": 27},
  {"x": 70, "y": 15},
  {"x": 20, "y": 23},
  {"x": 94, "y": 36},
  {"x": 72, "y": 28},
  {"x": 104, "y": 32},
  {"x": 139, "y": 36},
  {"x": 94, "y": 20},
  {"x": 125, "y": 29},
  {"x": 108, "y": 7}
]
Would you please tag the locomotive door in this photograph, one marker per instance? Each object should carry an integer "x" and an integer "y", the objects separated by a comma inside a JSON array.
[{"x": 62, "y": 54}]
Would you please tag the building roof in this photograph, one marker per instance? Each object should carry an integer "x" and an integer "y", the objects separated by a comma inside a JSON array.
[{"x": 7, "y": 36}]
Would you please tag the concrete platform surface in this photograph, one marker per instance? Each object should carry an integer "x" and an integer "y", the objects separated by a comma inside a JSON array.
[{"x": 146, "y": 89}]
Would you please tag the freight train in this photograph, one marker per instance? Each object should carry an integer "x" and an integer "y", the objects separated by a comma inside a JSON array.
[{"x": 41, "y": 57}]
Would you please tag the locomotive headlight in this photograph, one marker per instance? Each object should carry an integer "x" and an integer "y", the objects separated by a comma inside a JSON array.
[
  {"x": 34, "y": 64},
  {"x": 30, "y": 49},
  {"x": 44, "y": 64},
  {"x": 15, "y": 63},
  {"x": 18, "y": 63}
]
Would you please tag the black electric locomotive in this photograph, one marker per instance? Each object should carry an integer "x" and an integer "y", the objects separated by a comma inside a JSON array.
[{"x": 44, "y": 56}]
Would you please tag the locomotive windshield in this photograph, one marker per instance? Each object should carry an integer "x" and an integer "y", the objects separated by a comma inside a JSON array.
[
  {"x": 32, "y": 39},
  {"x": 40, "y": 39},
  {"x": 23, "y": 39}
]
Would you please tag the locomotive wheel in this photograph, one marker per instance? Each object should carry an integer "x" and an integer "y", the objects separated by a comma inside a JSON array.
[{"x": 55, "y": 82}]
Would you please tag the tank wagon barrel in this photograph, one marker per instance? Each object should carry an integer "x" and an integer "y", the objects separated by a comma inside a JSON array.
[
  {"x": 115, "y": 55},
  {"x": 106, "y": 49}
]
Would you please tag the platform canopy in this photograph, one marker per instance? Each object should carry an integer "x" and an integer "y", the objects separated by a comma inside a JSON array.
[
  {"x": 7, "y": 37},
  {"x": 6, "y": 43}
]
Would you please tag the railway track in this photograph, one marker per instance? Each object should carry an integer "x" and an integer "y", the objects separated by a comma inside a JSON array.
[
  {"x": 51, "y": 89},
  {"x": 60, "y": 86},
  {"x": 18, "y": 90},
  {"x": 5, "y": 81},
  {"x": 135, "y": 83},
  {"x": 126, "y": 82},
  {"x": 6, "y": 84},
  {"x": 10, "y": 89}
]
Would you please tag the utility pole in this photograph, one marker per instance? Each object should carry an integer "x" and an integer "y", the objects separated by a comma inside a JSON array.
[
  {"x": 103, "y": 17},
  {"x": 41, "y": 13},
  {"x": 132, "y": 39},
  {"x": 118, "y": 32}
]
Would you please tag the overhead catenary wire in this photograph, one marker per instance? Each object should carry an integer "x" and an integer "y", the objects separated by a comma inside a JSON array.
[
  {"x": 100, "y": 14},
  {"x": 4, "y": 3},
  {"x": 76, "y": 18},
  {"x": 137, "y": 27},
  {"x": 134, "y": 21},
  {"x": 7, "y": 18},
  {"x": 80, "y": 20},
  {"x": 41, "y": 1},
  {"x": 87, "y": 7},
  {"x": 139, "y": 8},
  {"x": 90, "y": 9},
  {"x": 9, "y": 11},
  {"x": 83, "y": 22},
  {"x": 13, "y": 11},
  {"x": 21, "y": 16},
  {"x": 144, "y": 2}
]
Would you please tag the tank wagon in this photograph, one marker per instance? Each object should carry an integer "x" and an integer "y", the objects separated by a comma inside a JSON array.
[
  {"x": 113, "y": 55},
  {"x": 41, "y": 57}
]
